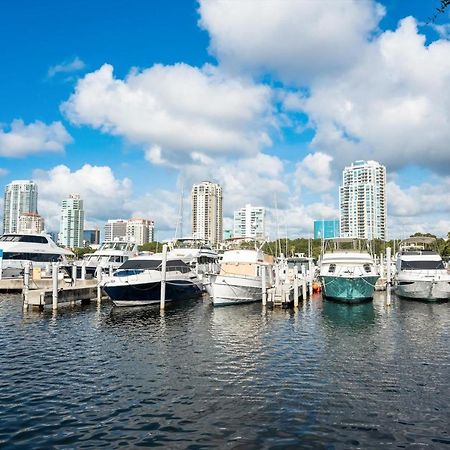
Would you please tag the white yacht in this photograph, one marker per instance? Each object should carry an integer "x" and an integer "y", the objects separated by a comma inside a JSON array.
[
  {"x": 197, "y": 254},
  {"x": 138, "y": 281},
  {"x": 40, "y": 249},
  {"x": 347, "y": 270},
  {"x": 110, "y": 254},
  {"x": 421, "y": 273},
  {"x": 240, "y": 277}
]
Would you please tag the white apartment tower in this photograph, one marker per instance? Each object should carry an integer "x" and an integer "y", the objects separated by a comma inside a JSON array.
[
  {"x": 249, "y": 222},
  {"x": 72, "y": 222},
  {"x": 362, "y": 201},
  {"x": 115, "y": 230},
  {"x": 31, "y": 223},
  {"x": 207, "y": 212},
  {"x": 140, "y": 231},
  {"x": 20, "y": 197}
]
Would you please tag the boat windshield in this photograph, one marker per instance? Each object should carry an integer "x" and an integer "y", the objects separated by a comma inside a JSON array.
[
  {"x": 155, "y": 264},
  {"x": 422, "y": 265},
  {"x": 25, "y": 238}
]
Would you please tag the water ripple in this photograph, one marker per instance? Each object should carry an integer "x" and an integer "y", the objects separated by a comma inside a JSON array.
[{"x": 326, "y": 376}]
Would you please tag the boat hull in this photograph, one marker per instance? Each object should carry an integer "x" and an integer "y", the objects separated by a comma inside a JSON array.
[
  {"x": 348, "y": 289},
  {"x": 148, "y": 293},
  {"x": 232, "y": 290},
  {"x": 427, "y": 290}
]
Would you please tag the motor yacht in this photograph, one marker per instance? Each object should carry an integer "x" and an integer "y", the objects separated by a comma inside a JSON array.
[
  {"x": 137, "y": 282},
  {"x": 347, "y": 270},
  {"x": 39, "y": 249},
  {"x": 240, "y": 277},
  {"x": 420, "y": 272},
  {"x": 110, "y": 255}
]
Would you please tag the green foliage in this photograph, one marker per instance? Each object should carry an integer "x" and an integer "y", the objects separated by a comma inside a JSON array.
[
  {"x": 153, "y": 247},
  {"x": 81, "y": 251}
]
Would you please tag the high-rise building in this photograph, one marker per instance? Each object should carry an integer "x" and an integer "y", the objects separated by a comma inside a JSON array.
[
  {"x": 207, "y": 212},
  {"x": 362, "y": 201},
  {"x": 249, "y": 222},
  {"x": 91, "y": 237},
  {"x": 31, "y": 223},
  {"x": 325, "y": 229},
  {"x": 115, "y": 230},
  {"x": 72, "y": 222},
  {"x": 20, "y": 197},
  {"x": 140, "y": 231}
]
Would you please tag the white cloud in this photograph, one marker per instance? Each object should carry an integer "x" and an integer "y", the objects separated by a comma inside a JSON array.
[
  {"x": 295, "y": 40},
  {"x": 3, "y": 172},
  {"x": 419, "y": 208},
  {"x": 393, "y": 106},
  {"x": 315, "y": 172},
  {"x": 104, "y": 195},
  {"x": 22, "y": 140},
  {"x": 74, "y": 65},
  {"x": 176, "y": 110}
]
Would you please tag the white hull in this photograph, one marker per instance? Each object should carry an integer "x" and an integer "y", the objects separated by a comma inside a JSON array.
[
  {"x": 424, "y": 290},
  {"x": 232, "y": 290}
]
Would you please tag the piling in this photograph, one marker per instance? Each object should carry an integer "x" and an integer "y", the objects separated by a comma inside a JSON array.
[
  {"x": 74, "y": 274},
  {"x": 83, "y": 270},
  {"x": 99, "y": 284},
  {"x": 26, "y": 276},
  {"x": 163, "y": 277},
  {"x": 295, "y": 286},
  {"x": 55, "y": 272},
  {"x": 111, "y": 270},
  {"x": 264, "y": 285},
  {"x": 388, "y": 276},
  {"x": 311, "y": 277}
]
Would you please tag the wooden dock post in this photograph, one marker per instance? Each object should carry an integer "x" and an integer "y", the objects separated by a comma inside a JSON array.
[
  {"x": 99, "y": 281},
  {"x": 26, "y": 276},
  {"x": 74, "y": 275},
  {"x": 163, "y": 277},
  {"x": 83, "y": 270},
  {"x": 296, "y": 293},
  {"x": 388, "y": 276},
  {"x": 111, "y": 270},
  {"x": 264, "y": 284},
  {"x": 55, "y": 273},
  {"x": 311, "y": 277}
]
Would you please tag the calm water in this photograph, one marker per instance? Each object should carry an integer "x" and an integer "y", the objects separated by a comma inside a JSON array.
[{"x": 326, "y": 376}]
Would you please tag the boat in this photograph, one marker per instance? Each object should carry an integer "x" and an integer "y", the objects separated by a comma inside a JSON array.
[
  {"x": 420, "y": 272},
  {"x": 137, "y": 282},
  {"x": 39, "y": 249},
  {"x": 347, "y": 270},
  {"x": 197, "y": 254},
  {"x": 240, "y": 277},
  {"x": 110, "y": 256}
]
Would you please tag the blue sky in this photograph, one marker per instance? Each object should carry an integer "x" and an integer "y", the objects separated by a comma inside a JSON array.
[{"x": 125, "y": 101}]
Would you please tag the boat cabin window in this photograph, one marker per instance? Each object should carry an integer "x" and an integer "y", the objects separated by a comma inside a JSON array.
[
  {"x": 155, "y": 264},
  {"x": 25, "y": 238},
  {"x": 37, "y": 257},
  {"x": 367, "y": 268},
  {"x": 332, "y": 268},
  {"x": 422, "y": 265}
]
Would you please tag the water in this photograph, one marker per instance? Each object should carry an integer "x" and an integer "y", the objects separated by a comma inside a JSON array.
[{"x": 326, "y": 376}]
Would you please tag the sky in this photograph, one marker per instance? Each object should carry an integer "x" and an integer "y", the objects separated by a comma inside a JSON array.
[{"x": 130, "y": 103}]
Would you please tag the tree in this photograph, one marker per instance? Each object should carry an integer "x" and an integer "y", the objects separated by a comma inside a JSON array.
[{"x": 153, "y": 247}]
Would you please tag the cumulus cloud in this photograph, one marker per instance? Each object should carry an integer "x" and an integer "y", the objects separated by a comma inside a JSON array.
[
  {"x": 421, "y": 208},
  {"x": 175, "y": 110},
  {"x": 104, "y": 195},
  {"x": 393, "y": 106},
  {"x": 73, "y": 65},
  {"x": 295, "y": 40},
  {"x": 21, "y": 140},
  {"x": 315, "y": 172}
]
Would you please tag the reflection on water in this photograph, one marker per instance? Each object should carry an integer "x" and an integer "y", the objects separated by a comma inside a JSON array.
[{"x": 326, "y": 375}]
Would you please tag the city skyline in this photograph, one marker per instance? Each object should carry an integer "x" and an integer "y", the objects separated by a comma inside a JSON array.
[{"x": 196, "y": 99}]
